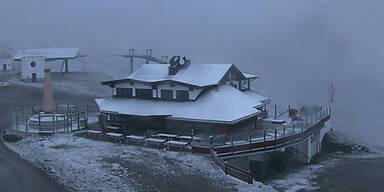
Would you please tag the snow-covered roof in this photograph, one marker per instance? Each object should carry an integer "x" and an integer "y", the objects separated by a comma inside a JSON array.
[
  {"x": 49, "y": 53},
  {"x": 258, "y": 96},
  {"x": 194, "y": 74},
  {"x": 200, "y": 75},
  {"x": 5, "y": 61},
  {"x": 222, "y": 104},
  {"x": 250, "y": 76}
]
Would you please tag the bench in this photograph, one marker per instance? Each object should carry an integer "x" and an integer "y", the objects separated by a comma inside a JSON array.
[
  {"x": 156, "y": 143},
  {"x": 133, "y": 139},
  {"x": 165, "y": 136},
  {"x": 176, "y": 145},
  {"x": 116, "y": 137},
  {"x": 93, "y": 133}
]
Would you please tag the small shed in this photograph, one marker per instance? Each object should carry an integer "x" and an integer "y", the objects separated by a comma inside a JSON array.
[
  {"x": 34, "y": 61},
  {"x": 32, "y": 68},
  {"x": 6, "y": 64}
]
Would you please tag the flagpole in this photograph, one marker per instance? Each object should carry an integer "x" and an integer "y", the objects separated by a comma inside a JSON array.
[{"x": 328, "y": 87}]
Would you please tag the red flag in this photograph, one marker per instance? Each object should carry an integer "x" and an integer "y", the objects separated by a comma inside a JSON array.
[{"x": 332, "y": 92}]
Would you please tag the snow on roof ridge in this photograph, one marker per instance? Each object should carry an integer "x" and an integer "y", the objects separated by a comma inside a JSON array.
[{"x": 194, "y": 74}]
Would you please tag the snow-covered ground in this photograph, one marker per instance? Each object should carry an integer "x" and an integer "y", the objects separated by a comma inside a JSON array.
[{"x": 87, "y": 165}]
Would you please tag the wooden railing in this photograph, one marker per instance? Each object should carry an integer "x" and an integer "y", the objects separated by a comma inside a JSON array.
[
  {"x": 231, "y": 170},
  {"x": 220, "y": 152}
]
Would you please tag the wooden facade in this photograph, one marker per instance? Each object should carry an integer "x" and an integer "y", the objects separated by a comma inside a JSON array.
[{"x": 169, "y": 90}]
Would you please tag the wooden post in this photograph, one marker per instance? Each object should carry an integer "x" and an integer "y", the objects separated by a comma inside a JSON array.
[
  {"x": 255, "y": 123},
  {"x": 275, "y": 111},
  {"x": 66, "y": 65},
  {"x": 78, "y": 121},
  {"x": 70, "y": 120},
  {"x": 289, "y": 110},
  {"x": 232, "y": 142},
  {"x": 275, "y": 134},
  {"x": 302, "y": 127},
  {"x": 264, "y": 135},
  {"x": 17, "y": 121},
  {"x": 284, "y": 130},
  {"x": 293, "y": 129},
  {"x": 39, "y": 122},
  {"x": 65, "y": 123},
  {"x": 250, "y": 136},
  {"x": 26, "y": 122},
  {"x": 54, "y": 123},
  {"x": 192, "y": 134},
  {"x": 86, "y": 112}
]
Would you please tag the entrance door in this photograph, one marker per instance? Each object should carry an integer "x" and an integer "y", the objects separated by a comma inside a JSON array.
[
  {"x": 4, "y": 67},
  {"x": 33, "y": 77}
]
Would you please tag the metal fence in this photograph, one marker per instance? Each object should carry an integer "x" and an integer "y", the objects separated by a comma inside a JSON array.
[{"x": 65, "y": 118}]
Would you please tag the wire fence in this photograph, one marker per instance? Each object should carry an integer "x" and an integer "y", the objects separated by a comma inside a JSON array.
[{"x": 65, "y": 118}]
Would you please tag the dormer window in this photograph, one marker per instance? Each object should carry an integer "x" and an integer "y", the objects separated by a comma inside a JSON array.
[
  {"x": 167, "y": 94},
  {"x": 182, "y": 95},
  {"x": 144, "y": 93},
  {"x": 124, "y": 92}
]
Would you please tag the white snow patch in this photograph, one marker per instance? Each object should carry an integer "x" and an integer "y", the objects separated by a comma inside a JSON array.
[{"x": 88, "y": 165}]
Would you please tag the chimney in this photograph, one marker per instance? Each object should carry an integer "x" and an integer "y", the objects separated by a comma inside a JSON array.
[
  {"x": 48, "y": 94},
  {"x": 175, "y": 64}
]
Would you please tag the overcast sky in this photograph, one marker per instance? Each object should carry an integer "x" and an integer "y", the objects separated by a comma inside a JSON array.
[{"x": 296, "y": 46}]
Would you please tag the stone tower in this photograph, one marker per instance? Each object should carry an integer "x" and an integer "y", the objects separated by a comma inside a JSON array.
[{"x": 48, "y": 93}]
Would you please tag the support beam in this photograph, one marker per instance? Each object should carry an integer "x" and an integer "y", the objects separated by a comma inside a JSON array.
[
  {"x": 309, "y": 150},
  {"x": 66, "y": 66}
]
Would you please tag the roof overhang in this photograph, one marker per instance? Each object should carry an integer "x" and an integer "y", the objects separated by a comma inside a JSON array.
[
  {"x": 114, "y": 82},
  {"x": 50, "y": 54},
  {"x": 215, "y": 121},
  {"x": 250, "y": 76}
]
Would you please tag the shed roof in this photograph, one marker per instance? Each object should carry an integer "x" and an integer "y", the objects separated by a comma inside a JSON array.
[
  {"x": 48, "y": 53},
  {"x": 222, "y": 104}
]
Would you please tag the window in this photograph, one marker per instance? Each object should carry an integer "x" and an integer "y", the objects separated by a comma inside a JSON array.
[
  {"x": 33, "y": 64},
  {"x": 124, "y": 92},
  {"x": 167, "y": 94},
  {"x": 182, "y": 95},
  {"x": 244, "y": 84},
  {"x": 144, "y": 93}
]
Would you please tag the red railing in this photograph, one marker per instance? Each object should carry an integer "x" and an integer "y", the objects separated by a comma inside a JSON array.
[{"x": 231, "y": 170}]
